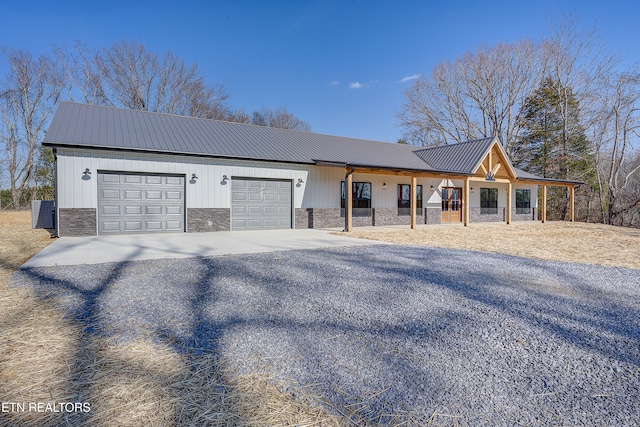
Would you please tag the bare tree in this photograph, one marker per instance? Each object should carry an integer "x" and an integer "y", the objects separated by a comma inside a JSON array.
[
  {"x": 478, "y": 95},
  {"x": 128, "y": 75},
  {"x": 279, "y": 118},
  {"x": 620, "y": 130},
  {"x": 29, "y": 95}
]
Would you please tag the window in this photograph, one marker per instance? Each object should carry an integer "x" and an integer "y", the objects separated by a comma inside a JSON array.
[
  {"x": 404, "y": 199},
  {"x": 488, "y": 201},
  {"x": 523, "y": 201},
  {"x": 360, "y": 200}
]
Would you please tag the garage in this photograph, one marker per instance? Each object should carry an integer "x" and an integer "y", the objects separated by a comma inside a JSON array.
[
  {"x": 140, "y": 203},
  {"x": 259, "y": 204}
]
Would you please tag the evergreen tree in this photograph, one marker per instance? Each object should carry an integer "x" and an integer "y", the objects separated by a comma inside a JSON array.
[{"x": 554, "y": 144}]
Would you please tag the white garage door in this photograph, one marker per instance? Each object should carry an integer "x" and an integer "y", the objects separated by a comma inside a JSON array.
[
  {"x": 258, "y": 204},
  {"x": 140, "y": 203}
]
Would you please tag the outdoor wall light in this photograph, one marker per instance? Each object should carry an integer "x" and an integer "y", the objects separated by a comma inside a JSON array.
[
  {"x": 432, "y": 187},
  {"x": 472, "y": 189},
  {"x": 193, "y": 176},
  {"x": 300, "y": 181},
  {"x": 225, "y": 178},
  {"x": 87, "y": 171},
  {"x": 384, "y": 185},
  {"x": 86, "y": 175}
]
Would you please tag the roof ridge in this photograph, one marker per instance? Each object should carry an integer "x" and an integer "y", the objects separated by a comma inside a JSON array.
[{"x": 492, "y": 137}]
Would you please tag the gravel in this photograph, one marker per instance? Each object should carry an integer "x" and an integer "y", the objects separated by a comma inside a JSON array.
[{"x": 390, "y": 333}]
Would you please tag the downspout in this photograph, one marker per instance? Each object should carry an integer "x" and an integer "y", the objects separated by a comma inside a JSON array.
[{"x": 347, "y": 200}]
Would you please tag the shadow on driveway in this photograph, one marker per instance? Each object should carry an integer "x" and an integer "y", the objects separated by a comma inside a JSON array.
[{"x": 389, "y": 333}]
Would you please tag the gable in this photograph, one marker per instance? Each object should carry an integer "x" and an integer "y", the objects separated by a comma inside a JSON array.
[{"x": 495, "y": 164}]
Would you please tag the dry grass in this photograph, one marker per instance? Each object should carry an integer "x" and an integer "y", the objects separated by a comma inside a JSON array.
[
  {"x": 47, "y": 358},
  {"x": 558, "y": 241}
]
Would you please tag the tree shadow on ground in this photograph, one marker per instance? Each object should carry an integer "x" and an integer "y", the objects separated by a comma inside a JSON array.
[{"x": 338, "y": 309}]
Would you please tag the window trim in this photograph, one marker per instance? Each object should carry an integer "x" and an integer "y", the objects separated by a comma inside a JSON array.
[
  {"x": 523, "y": 206},
  {"x": 355, "y": 210},
  {"x": 487, "y": 207},
  {"x": 406, "y": 210}
]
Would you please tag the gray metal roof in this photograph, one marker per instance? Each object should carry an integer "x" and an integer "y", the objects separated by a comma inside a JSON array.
[
  {"x": 80, "y": 125},
  {"x": 90, "y": 126},
  {"x": 463, "y": 157},
  {"x": 523, "y": 175}
]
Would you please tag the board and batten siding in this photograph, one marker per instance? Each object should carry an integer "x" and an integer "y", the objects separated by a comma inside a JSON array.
[
  {"x": 320, "y": 187},
  {"x": 324, "y": 189},
  {"x": 208, "y": 190}
]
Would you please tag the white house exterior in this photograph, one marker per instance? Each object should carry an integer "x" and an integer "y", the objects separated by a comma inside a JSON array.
[{"x": 122, "y": 171}]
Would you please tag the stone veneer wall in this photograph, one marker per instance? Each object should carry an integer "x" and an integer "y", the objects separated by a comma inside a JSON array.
[
  {"x": 333, "y": 217},
  {"x": 476, "y": 216},
  {"x": 389, "y": 216},
  {"x": 77, "y": 222},
  {"x": 208, "y": 219},
  {"x": 523, "y": 217},
  {"x": 319, "y": 218},
  {"x": 433, "y": 216},
  {"x": 303, "y": 218}
]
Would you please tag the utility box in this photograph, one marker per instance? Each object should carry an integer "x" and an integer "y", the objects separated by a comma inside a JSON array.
[{"x": 43, "y": 214}]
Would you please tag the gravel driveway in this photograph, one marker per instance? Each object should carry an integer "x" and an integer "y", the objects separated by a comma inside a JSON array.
[{"x": 392, "y": 331}]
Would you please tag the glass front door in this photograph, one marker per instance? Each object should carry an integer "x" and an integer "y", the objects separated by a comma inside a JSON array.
[{"x": 451, "y": 204}]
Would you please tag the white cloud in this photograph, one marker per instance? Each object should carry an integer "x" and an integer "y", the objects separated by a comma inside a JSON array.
[
  {"x": 408, "y": 78},
  {"x": 334, "y": 83},
  {"x": 356, "y": 85}
]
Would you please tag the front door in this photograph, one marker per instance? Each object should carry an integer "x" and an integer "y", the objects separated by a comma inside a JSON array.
[{"x": 451, "y": 204}]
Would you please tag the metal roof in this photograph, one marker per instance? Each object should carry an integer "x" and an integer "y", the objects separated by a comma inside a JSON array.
[
  {"x": 91, "y": 126},
  {"x": 463, "y": 157},
  {"x": 80, "y": 125},
  {"x": 526, "y": 176}
]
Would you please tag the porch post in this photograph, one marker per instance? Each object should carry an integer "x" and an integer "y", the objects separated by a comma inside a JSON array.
[
  {"x": 508, "y": 213},
  {"x": 544, "y": 203},
  {"x": 572, "y": 199},
  {"x": 465, "y": 199},
  {"x": 348, "y": 201},
  {"x": 413, "y": 202}
]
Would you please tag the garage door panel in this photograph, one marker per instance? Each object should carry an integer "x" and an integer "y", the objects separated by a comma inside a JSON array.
[
  {"x": 153, "y": 180},
  {"x": 174, "y": 195},
  {"x": 174, "y": 180},
  {"x": 174, "y": 210},
  {"x": 133, "y": 210},
  {"x": 110, "y": 194},
  {"x": 112, "y": 226},
  {"x": 132, "y": 225},
  {"x": 127, "y": 204},
  {"x": 260, "y": 204},
  {"x": 153, "y": 225},
  {"x": 153, "y": 210},
  {"x": 110, "y": 210},
  {"x": 132, "y": 194},
  {"x": 109, "y": 178},
  {"x": 153, "y": 195},
  {"x": 174, "y": 225}
]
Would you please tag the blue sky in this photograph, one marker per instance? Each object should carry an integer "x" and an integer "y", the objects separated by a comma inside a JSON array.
[{"x": 340, "y": 65}]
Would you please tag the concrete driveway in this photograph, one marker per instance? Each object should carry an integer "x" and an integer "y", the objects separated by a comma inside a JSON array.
[{"x": 99, "y": 249}]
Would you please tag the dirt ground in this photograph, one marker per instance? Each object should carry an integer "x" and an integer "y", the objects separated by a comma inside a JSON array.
[{"x": 558, "y": 241}]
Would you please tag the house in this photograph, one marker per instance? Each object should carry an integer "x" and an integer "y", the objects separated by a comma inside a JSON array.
[{"x": 126, "y": 171}]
